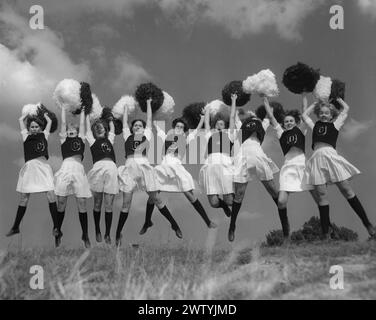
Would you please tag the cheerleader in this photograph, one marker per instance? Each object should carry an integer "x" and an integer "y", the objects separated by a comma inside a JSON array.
[
  {"x": 103, "y": 176},
  {"x": 36, "y": 174},
  {"x": 292, "y": 140},
  {"x": 171, "y": 174},
  {"x": 250, "y": 162},
  {"x": 138, "y": 174},
  {"x": 326, "y": 166},
  {"x": 216, "y": 175},
  {"x": 71, "y": 178}
]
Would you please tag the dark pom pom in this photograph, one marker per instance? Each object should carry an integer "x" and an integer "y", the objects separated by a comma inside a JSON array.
[
  {"x": 86, "y": 97},
  {"x": 149, "y": 90},
  {"x": 192, "y": 114},
  {"x": 107, "y": 117},
  {"x": 300, "y": 78},
  {"x": 232, "y": 88},
  {"x": 41, "y": 111},
  {"x": 337, "y": 91},
  {"x": 278, "y": 111}
]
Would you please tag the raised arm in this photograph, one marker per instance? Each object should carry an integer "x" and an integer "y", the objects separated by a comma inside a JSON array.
[
  {"x": 49, "y": 122},
  {"x": 21, "y": 120},
  {"x": 149, "y": 115},
  {"x": 207, "y": 119},
  {"x": 112, "y": 127},
  {"x": 82, "y": 124},
  {"x": 304, "y": 102},
  {"x": 63, "y": 128},
  {"x": 88, "y": 126},
  {"x": 340, "y": 121},
  {"x": 125, "y": 118},
  {"x": 160, "y": 132},
  {"x": 269, "y": 112},
  {"x": 305, "y": 115},
  {"x": 233, "y": 111},
  {"x": 344, "y": 105}
]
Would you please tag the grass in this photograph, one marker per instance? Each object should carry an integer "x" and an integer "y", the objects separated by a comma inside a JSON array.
[{"x": 152, "y": 272}]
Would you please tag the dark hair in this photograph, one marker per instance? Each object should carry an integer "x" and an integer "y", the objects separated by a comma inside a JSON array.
[
  {"x": 295, "y": 114},
  {"x": 95, "y": 127},
  {"x": 333, "y": 110},
  {"x": 29, "y": 120},
  {"x": 181, "y": 120},
  {"x": 135, "y": 120},
  {"x": 219, "y": 117}
]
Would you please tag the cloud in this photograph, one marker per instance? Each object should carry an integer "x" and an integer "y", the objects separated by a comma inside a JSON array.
[
  {"x": 104, "y": 32},
  {"x": 32, "y": 62},
  {"x": 353, "y": 129},
  {"x": 129, "y": 73},
  {"x": 368, "y": 7},
  {"x": 245, "y": 215},
  {"x": 9, "y": 134}
]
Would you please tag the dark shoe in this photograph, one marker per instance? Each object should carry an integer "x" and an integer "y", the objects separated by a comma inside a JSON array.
[
  {"x": 58, "y": 238},
  {"x": 118, "y": 241},
  {"x": 178, "y": 233},
  {"x": 231, "y": 235},
  {"x": 145, "y": 227},
  {"x": 12, "y": 232},
  {"x": 86, "y": 242},
  {"x": 107, "y": 239},
  {"x": 212, "y": 225},
  {"x": 98, "y": 237}
]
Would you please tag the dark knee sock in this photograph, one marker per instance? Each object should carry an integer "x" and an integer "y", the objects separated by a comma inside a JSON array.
[
  {"x": 275, "y": 201},
  {"x": 83, "y": 221},
  {"x": 324, "y": 218},
  {"x": 225, "y": 207},
  {"x": 284, "y": 221},
  {"x": 234, "y": 214},
  {"x": 122, "y": 219},
  {"x": 53, "y": 212},
  {"x": 149, "y": 212},
  {"x": 60, "y": 219},
  {"x": 97, "y": 220},
  {"x": 108, "y": 221},
  {"x": 166, "y": 213},
  {"x": 19, "y": 216},
  {"x": 359, "y": 210},
  {"x": 200, "y": 209}
]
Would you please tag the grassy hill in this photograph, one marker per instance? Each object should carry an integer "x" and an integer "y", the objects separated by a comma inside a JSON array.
[{"x": 151, "y": 272}]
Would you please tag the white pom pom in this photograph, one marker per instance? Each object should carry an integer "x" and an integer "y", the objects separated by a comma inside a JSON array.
[
  {"x": 217, "y": 106},
  {"x": 67, "y": 95},
  {"x": 167, "y": 108},
  {"x": 323, "y": 88},
  {"x": 96, "y": 112},
  {"x": 262, "y": 83},
  {"x": 118, "y": 109},
  {"x": 30, "y": 109}
]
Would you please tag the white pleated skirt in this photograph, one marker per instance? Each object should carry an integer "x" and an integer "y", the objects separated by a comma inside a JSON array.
[
  {"x": 172, "y": 176},
  {"x": 326, "y": 166},
  {"x": 291, "y": 175},
  {"x": 137, "y": 175},
  {"x": 251, "y": 163},
  {"x": 71, "y": 179},
  {"x": 36, "y": 175},
  {"x": 103, "y": 177},
  {"x": 217, "y": 174}
]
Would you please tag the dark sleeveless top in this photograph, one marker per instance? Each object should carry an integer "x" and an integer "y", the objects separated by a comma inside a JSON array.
[
  {"x": 292, "y": 138},
  {"x": 72, "y": 147},
  {"x": 35, "y": 146},
  {"x": 325, "y": 132},
  {"x": 102, "y": 148}
]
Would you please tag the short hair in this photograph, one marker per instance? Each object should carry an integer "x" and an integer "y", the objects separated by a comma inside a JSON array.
[
  {"x": 31, "y": 119},
  {"x": 135, "y": 120},
  {"x": 321, "y": 104},
  {"x": 96, "y": 126},
  {"x": 181, "y": 120},
  {"x": 220, "y": 117},
  {"x": 295, "y": 114}
]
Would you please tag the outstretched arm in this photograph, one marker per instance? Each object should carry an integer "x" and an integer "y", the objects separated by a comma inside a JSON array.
[
  {"x": 88, "y": 126},
  {"x": 149, "y": 115},
  {"x": 233, "y": 111},
  {"x": 207, "y": 119},
  {"x": 125, "y": 117},
  {"x": 21, "y": 120},
  {"x": 63, "y": 128},
  {"x": 49, "y": 122},
  {"x": 269, "y": 112},
  {"x": 306, "y": 115},
  {"x": 81, "y": 133},
  {"x": 340, "y": 121}
]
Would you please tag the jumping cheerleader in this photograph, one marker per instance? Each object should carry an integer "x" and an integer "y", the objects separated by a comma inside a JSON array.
[
  {"x": 71, "y": 178},
  {"x": 137, "y": 173},
  {"x": 292, "y": 140},
  {"x": 250, "y": 162},
  {"x": 171, "y": 174},
  {"x": 36, "y": 174},
  {"x": 103, "y": 176},
  {"x": 326, "y": 166},
  {"x": 216, "y": 176}
]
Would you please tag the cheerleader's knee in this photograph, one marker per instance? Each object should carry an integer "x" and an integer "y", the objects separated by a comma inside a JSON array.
[
  {"x": 214, "y": 201},
  {"x": 24, "y": 199},
  {"x": 51, "y": 196}
]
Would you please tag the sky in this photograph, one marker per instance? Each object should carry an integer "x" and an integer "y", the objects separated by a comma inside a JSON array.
[{"x": 190, "y": 49}]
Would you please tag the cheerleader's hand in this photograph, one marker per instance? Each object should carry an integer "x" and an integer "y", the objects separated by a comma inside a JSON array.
[
  {"x": 148, "y": 101},
  {"x": 22, "y": 118},
  {"x": 234, "y": 96},
  {"x": 46, "y": 116}
]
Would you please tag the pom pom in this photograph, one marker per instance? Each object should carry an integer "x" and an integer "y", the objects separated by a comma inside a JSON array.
[
  {"x": 107, "y": 116},
  {"x": 86, "y": 98},
  {"x": 67, "y": 95},
  {"x": 323, "y": 88},
  {"x": 300, "y": 78},
  {"x": 278, "y": 112},
  {"x": 262, "y": 83},
  {"x": 30, "y": 110},
  {"x": 218, "y": 109},
  {"x": 337, "y": 91},
  {"x": 192, "y": 114},
  {"x": 41, "y": 111},
  {"x": 96, "y": 111},
  {"x": 118, "y": 108},
  {"x": 146, "y": 91},
  {"x": 232, "y": 88},
  {"x": 167, "y": 108}
]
